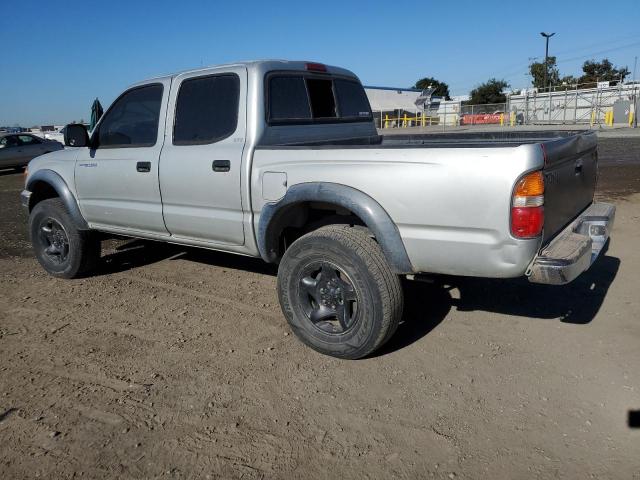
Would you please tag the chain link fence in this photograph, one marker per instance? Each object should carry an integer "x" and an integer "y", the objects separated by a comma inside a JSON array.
[{"x": 603, "y": 104}]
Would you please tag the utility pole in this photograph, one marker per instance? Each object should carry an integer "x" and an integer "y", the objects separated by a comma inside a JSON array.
[
  {"x": 635, "y": 93},
  {"x": 547, "y": 36}
]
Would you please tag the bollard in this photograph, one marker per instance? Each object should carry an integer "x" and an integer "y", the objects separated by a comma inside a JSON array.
[
  {"x": 386, "y": 121},
  {"x": 512, "y": 119},
  {"x": 502, "y": 119},
  {"x": 631, "y": 119},
  {"x": 404, "y": 124}
]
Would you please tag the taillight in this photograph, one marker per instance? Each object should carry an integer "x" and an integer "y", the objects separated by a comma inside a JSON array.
[{"x": 527, "y": 206}]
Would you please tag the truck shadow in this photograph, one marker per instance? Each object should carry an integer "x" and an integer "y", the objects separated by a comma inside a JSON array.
[
  {"x": 427, "y": 304},
  {"x": 138, "y": 253}
]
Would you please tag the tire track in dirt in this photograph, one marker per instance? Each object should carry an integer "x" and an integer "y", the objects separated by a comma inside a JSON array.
[{"x": 207, "y": 296}]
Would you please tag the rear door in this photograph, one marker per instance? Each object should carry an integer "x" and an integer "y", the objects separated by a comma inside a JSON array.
[
  {"x": 117, "y": 181},
  {"x": 200, "y": 166},
  {"x": 570, "y": 173}
]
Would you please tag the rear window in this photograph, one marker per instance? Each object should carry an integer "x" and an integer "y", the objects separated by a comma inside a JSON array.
[
  {"x": 288, "y": 96},
  {"x": 303, "y": 98},
  {"x": 352, "y": 99}
]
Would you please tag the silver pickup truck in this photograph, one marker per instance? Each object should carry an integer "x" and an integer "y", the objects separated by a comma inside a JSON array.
[{"x": 282, "y": 160}]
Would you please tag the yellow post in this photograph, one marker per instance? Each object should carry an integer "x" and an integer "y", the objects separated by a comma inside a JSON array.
[
  {"x": 593, "y": 117},
  {"x": 502, "y": 119},
  {"x": 630, "y": 118},
  {"x": 386, "y": 121},
  {"x": 404, "y": 124},
  {"x": 512, "y": 119}
]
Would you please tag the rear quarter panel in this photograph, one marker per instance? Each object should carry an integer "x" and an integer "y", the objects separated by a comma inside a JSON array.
[{"x": 451, "y": 205}]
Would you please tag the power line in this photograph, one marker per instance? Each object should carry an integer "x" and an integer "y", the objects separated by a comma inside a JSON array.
[
  {"x": 512, "y": 73},
  {"x": 598, "y": 44},
  {"x": 599, "y": 52}
]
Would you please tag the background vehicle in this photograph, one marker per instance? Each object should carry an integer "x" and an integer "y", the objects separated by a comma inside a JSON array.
[
  {"x": 17, "y": 149},
  {"x": 282, "y": 160},
  {"x": 57, "y": 136}
]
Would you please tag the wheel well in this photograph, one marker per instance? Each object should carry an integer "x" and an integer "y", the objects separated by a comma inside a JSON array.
[
  {"x": 301, "y": 218},
  {"x": 41, "y": 191}
]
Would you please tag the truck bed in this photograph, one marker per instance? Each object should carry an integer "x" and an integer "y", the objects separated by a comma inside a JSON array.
[{"x": 570, "y": 161}]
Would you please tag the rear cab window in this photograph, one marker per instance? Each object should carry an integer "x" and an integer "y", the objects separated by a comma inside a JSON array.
[{"x": 307, "y": 98}]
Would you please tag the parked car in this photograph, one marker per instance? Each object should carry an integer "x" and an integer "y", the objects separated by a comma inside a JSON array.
[
  {"x": 282, "y": 160},
  {"x": 17, "y": 149}
]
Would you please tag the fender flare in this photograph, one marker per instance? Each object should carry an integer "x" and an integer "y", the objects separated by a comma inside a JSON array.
[
  {"x": 54, "y": 180},
  {"x": 366, "y": 208}
]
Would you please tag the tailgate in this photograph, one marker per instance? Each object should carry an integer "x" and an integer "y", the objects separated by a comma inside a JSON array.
[{"x": 570, "y": 173}]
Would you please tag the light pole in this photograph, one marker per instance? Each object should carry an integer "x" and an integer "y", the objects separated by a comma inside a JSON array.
[{"x": 547, "y": 36}]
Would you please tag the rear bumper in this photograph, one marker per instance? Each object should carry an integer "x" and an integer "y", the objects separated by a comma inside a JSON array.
[{"x": 576, "y": 248}]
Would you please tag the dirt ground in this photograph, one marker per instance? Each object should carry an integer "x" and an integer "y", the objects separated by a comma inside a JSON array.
[{"x": 177, "y": 363}]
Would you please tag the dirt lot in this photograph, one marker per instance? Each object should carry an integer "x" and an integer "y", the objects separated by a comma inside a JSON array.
[{"x": 177, "y": 363}]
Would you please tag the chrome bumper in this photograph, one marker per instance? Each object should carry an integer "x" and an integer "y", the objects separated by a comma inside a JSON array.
[
  {"x": 575, "y": 248},
  {"x": 25, "y": 196}
]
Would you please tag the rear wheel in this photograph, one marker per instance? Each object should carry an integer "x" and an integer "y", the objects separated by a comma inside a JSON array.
[
  {"x": 338, "y": 292},
  {"x": 61, "y": 248}
]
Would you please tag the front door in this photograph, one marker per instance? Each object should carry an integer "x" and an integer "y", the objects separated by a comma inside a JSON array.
[
  {"x": 200, "y": 165},
  {"x": 117, "y": 178}
]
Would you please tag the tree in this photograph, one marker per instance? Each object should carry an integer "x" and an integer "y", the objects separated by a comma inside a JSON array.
[
  {"x": 536, "y": 69},
  {"x": 602, "y": 71},
  {"x": 441, "y": 88},
  {"x": 489, "y": 92}
]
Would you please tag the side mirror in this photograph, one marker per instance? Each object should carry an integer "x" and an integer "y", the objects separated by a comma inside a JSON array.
[{"x": 75, "y": 135}]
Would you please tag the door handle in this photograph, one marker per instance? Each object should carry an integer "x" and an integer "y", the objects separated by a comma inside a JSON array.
[
  {"x": 143, "y": 166},
  {"x": 221, "y": 165}
]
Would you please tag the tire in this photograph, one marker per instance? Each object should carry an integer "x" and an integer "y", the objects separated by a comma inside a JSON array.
[
  {"x": 338, "y": 292},
  {"x": 62, "y": 249}
]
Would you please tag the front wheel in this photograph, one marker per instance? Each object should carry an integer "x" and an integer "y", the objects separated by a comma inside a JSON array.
[
  {"x": 338, "y": 292},
  {"x": 61, "y": 248}
]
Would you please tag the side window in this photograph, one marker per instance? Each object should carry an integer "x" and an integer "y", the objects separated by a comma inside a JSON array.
[
  {"x": 132, "y": 121},
  {"x": 206, "y": 109},
  {"x": 10, "y": 141},
  {"x": 288, "y": 99},
  {"x": 27, "y": 140}
]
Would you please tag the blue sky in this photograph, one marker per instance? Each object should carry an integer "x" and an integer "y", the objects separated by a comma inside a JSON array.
[{"x": 57, "y": 56}]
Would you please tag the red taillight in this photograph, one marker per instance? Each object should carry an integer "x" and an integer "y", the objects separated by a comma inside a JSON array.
[
  {"x": 527, "y": 222},
  {"x": 527, "y": 211},
  {"x": 316, "y": 67}
]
